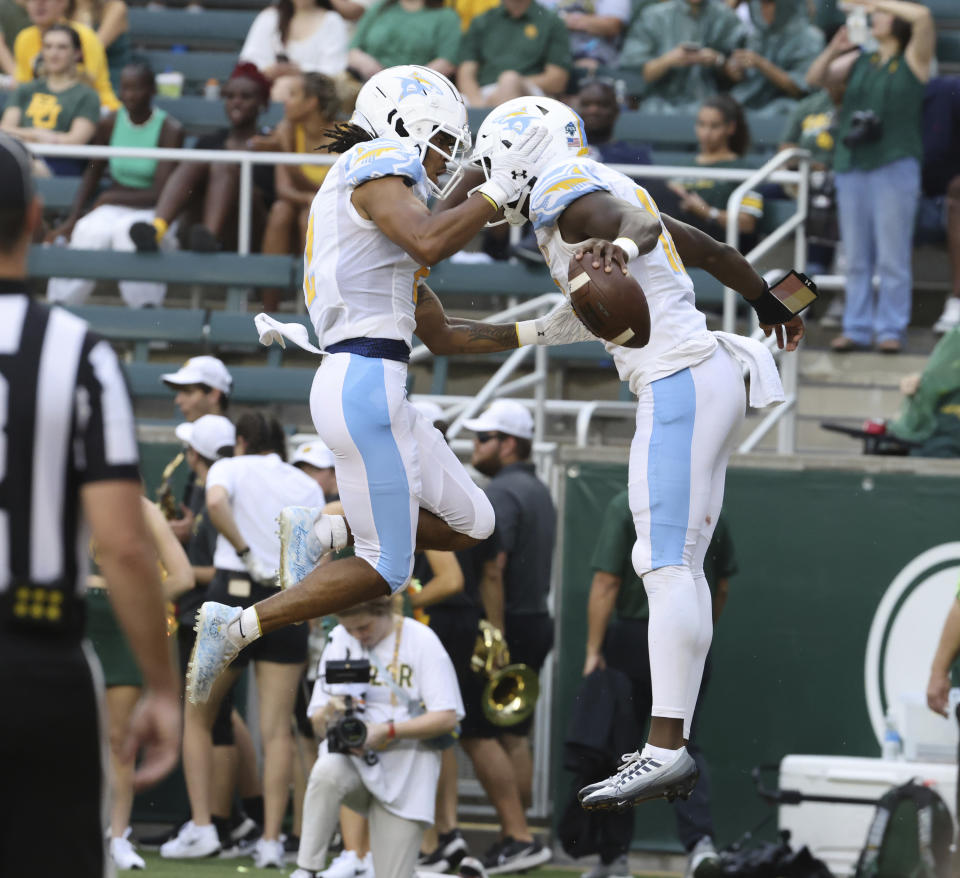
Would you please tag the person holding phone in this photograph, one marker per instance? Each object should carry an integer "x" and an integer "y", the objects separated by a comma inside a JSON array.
[{"x": 680, "y": 47}]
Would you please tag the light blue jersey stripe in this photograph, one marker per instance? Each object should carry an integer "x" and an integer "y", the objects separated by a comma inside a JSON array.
[
  {"x": 367, "y": 416},
  {"x": 668, "y": 466}
]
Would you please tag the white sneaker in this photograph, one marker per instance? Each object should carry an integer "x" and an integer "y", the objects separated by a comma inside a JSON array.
[
  {"x": 268, "y": 853},
  {"x": 950, "y": 318},
  {"x": 123, "y": 853},
  {"x": 619, "y": 868},
  {"x": 192, "y": 842},
  {"x": 367, "y": 863},
  {"x": 304, "y": 873},
  {"x": 213, "y": 650},
  {"x": 642, "y": 777},
  {"x": 345, "y": 865},
  {"x": 300, "y": 549},
  {"x": 703, "y": 861}
]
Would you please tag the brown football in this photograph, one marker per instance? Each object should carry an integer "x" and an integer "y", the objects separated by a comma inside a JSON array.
[{"x": 612, "y": 306}]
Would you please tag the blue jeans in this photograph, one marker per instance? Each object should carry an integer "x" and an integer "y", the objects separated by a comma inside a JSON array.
[{"x": 877, "y": 210}]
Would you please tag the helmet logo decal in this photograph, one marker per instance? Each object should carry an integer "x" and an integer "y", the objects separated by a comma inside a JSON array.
[
  {"x": 573, "y": 135},
  {"x": 417, "y": 85}
]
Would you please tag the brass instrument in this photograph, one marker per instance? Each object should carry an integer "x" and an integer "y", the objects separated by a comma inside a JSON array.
[
  {"x": 511, "y": 691},
  {"x": 165, "y": 499}
]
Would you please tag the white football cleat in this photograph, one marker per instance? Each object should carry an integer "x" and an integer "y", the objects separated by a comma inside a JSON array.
[
  {"x": 214, "y": 649},
  {"x": 642, "y": 777}
]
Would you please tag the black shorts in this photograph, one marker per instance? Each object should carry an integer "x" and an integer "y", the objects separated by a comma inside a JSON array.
[
  {"x": 530, "y": 639},
  {"x": 53, "y": 807},
  {"x": 285, "y": 646}
]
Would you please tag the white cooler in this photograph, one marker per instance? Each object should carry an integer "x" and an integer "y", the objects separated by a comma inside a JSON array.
[{"x": 836, "y": 833}]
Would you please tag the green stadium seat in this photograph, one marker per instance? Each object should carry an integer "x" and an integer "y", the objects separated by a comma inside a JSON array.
[
  {"x": 678, "y": 129},
  {"x": 251, "y": 384},
  {"x": 944, "y": 10},
  {"x": 489, "y": 279},
  {"x": 119, "y": 323},
  {"x": 222, "y": 29},
  {"x": 196, "y": 67},
  {"x": 201, "y": 116},
  {"x": 776, "y": 211},
  {"x": 948, "y": 48},
  {"x": 216, "y": 269},
  {"x": 57, "y": 192}
]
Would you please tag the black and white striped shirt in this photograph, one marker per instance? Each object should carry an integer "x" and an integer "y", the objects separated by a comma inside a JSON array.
[{"x": 65, "y": 419}]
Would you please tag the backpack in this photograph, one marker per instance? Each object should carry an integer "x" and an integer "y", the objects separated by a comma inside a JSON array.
[{"x": 909, "y": 836}]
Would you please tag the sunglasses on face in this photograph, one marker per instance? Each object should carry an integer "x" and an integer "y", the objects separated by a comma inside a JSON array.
[{"x": 486, "y": 437}]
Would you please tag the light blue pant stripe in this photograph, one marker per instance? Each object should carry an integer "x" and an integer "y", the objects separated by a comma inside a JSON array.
[
  {"x": 367, "y": 417},
  {"x": 668, "y": 466}
]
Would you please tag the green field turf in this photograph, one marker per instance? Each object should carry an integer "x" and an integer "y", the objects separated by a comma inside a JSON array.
[{"x": 214, "y": 868}]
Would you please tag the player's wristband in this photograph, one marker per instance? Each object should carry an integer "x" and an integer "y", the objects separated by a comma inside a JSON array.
[
  {"x": 629, "y": 246},
  {"x": 242, "y": 553},
  {"x": 528, "y": 333},
  {"x": 391, "y": 730},
  {"x": 770, "y": 310},
  {"x": 494, "y": 193}
]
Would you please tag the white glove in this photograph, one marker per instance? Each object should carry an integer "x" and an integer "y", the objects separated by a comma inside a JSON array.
[
  {"x": 258, "y": 572},
  {"x": 512, "y": 170},
  {"x": 559, "y": 326},
  {"x": 273, "y": 331}
]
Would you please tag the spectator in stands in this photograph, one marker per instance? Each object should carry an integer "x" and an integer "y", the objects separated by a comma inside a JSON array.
[
  {"x": 395, "y": 32},
  {"x": 930, "y": 411},
  {"x": 109, "y": 19},
  {"x": 59, "y": 107},
  {"x": 939, "y": 216},
  {"x": 770, "y": 71},
  {"x": 723, "y": 137},
  {"x": 681, "y": 47},
  {"x": 292, "y": 37},
  {"x": 13, "y": 19},
  {"x": 595, "y": 27},
  {"x": 514, "y": 586},
  {"x": 122, "y": 677},
  {"x": 244, "y": 495},
  {"x": 618, "y": 618},
  {"x": 310, "y": 110},
  {"x": 318, "y": 462},
  {"x": 93, "y": 59},
  {"x": 245, "y": 96},
  {"x": 517, "y": 48},
  {"x": 135, "y": 187},
  {"x": 877, "y": 168}
]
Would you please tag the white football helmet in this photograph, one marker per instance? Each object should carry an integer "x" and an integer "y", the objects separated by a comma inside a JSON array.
[
  {"x": 413, "y": 103},
  {"x": 512, "y": 118}
]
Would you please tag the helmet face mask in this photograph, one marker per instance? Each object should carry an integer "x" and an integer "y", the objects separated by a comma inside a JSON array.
[
  {"x": 414, "y": 104},
  {"x": 510, "y": 120}
]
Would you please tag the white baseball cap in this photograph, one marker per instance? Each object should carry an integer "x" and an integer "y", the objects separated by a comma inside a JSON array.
[
  {"x": 504, "y": 416},
  {"x": 200, "y": 370},
  {"x": 430, "y": 410},
  {"x": 207, "y": 435},
  {"x": 314, "y": 453}
]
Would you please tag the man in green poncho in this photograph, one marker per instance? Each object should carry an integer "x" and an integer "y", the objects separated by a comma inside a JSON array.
[
  {"x": 770, "y": 70},
  {"x": 680, "y": 47},
  {"x": 930, "y": 413}
]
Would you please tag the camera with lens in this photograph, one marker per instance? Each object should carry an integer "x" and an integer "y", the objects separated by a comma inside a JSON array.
[
  {"x": 348, "y": 732},
  {"x": 865, "y": 127}
]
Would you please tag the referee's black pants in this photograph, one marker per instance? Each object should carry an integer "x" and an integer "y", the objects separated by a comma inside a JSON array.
[{"x": 54, "y": 798}]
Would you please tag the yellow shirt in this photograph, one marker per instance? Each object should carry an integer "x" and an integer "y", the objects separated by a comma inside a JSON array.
[
  {"x": 29, "y": 42},
  {"x": 314, "y": 173},
  {"x": 470, "y": 9}
]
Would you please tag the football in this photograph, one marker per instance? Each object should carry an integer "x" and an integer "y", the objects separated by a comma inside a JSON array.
[{"x": 612, "y": 306}]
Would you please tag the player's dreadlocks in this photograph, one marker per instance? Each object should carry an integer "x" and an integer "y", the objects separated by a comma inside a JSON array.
[{"x": 345, "y": 135}]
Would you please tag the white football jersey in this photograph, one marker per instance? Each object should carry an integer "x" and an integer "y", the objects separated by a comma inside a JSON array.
[
  {"x": 678, "y": 331},
  {"x": 357, "y": 283}
]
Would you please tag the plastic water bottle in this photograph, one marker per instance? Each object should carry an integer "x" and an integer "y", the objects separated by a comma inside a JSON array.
[
  {"x": 211, "y": 91},
  {"x": 892, "y": 743},
  {"x": 858, "y": 28}
]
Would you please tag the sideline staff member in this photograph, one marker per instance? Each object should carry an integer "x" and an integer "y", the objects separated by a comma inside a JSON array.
[{"x": 68, "y": 470}]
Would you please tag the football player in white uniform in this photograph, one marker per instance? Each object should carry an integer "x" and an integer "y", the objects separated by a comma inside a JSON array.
[
  {"x": 690, "y": 395},
  {"x": 370, "y": 242}
]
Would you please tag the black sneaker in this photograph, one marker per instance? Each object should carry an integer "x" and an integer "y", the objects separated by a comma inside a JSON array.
[
  {"x": 242, "y": 840},
  {"x": 202, "y": 240},
  {"x": 144, "y": 237},
  {"x": 451, "y": 849},
  {"x": 510, "y": 855},
  {"x": 470, "y": 867}
]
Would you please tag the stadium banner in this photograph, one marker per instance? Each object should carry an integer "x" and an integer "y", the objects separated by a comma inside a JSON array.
[{"x": 845, "y": 577}]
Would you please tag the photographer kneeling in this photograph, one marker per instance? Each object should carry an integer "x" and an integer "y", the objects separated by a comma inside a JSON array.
[{"x": 392, "y": 674}]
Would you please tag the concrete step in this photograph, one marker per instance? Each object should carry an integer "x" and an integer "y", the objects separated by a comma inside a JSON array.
[{"x": 848, "y": 401}]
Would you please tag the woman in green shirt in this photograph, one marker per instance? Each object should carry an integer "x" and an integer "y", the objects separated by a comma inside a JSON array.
[
  {"x": 877, "y": 168},
  {"x": 395, "y": 32},
  {"x": 723, "y": 137}
]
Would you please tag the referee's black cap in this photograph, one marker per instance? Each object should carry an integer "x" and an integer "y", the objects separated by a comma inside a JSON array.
[{"x": 16, "y": 175}]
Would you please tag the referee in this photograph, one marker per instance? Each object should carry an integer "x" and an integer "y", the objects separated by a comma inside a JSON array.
[{"x": 68, "y": 471}]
